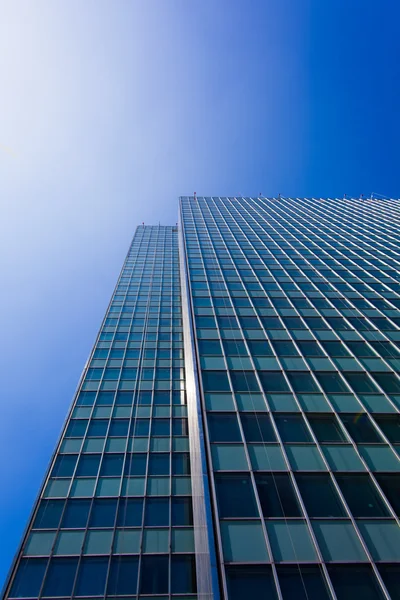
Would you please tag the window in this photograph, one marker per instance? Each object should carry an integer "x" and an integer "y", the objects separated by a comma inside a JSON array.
[
  {"x": 260, "y": 348},
  {"x": 123, "y": 576},
  {"x": 388, "y": 382},
  {"x": 64, "y": 465},
  {"x": 250, "y": 582},
  {"x": 349, "y": 580},
  {"x": 310, "y": 349},
  {"x": 157, "y": 512},
  {"x": 273, "y": 381},
  {"x": 91, "y": 577},
  {"x": 215, "y": 381},
  {"x": 181, "y": 511},
  {"x": 60, "y": 577},
  {"x": 257, "y": 428},
  {"x": 302, "y": 382},
  {"x": 302, "y": 582},
  {"x": 49, "y": 514},
  {"x": 135, "y": 464},
  {"x": 285, "y": 348},
  {"x": 103, "y": 513},
  {"x": 29, "y": 578},
  {"x": 277, "y": 495},
  {"x": 390, "y": 485},
  {"x": 326, "y": 429},
  {"x": 223, "y": 427},
  {"x": 360, "y": 428},
  {"x": 390, "y": 427},
  {"x": 210, "y": 347},
  {"x": 154, "y": 575},
  {"x": 235, "y": 348},
  {"x": 292, "y": 428},
  {"x": 331, "y": 383},
  {"x": 361, "y": 383},
  {"x": 130, "y": 512},
  {"x": 235, "y": 496},
  {"x": 183, "y": 574},
  {"x": 112, "y": 465},
  {"x": 244, "y": 381},
  {"x": 361, "y": 496},
  {"x": 76, "y": 514},
  {"x": 319, "y": 495},
  {"x": 88, "y": 465}
]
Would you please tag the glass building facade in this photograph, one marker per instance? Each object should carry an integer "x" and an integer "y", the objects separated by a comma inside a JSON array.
[{"x": 236, "y": 432}]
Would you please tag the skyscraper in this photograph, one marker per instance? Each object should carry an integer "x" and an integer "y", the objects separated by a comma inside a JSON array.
[{"x": 236, "y": 431}]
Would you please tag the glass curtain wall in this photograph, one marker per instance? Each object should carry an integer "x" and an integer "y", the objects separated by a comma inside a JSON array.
[
  {"x": 296, "y": 310},
  {"x": 114, "y": 518}
]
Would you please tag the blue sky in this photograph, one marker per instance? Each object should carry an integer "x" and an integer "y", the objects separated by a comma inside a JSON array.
[{"x": 109, "y": 110}]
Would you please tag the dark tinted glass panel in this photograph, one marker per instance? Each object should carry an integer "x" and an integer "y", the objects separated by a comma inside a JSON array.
[
  {"x": 285, "y": 348},
  {"x": 302, "y": 583},
  {"x": 292, "y": 428},
  {"x": 273, "y": 381},
  {"x": 76, "y": 513},
  {"x": 103, "y": 513},
  {"x": 260, "y": 348},
  {"x": 361, "y": 496},
  {"x": 326, "y": 429},
  {"x": 64, "y": 465},
  {"x": 390, "y": 427},
  {"x": 235, "y": 348},
  {"x": 244, "y": 381},
  {"x": 302, "y": 382},
  {"x": 49, "y": 514},
  {"x": 154, "y": 575},
  {"x": 97, "y": 428},
  {"x": 183, "y": 574},
  {"x": 223, "y": 428},
  {"x": 119, "y": 428},
  {"x": 112, "y": 465},
  {"x": 157, "y": 511},
  {"x": 354, "y": 581},
  {"x": 180, "y": 463},
  {"x": 277, "y": 496},
  {"x": 310, "y": 348},
  {"x": 331, "y": 383},
  {"x": 360, "y": 428},
  {"x": 60, "y": 577},
  {"x": 361, "y": 383},
  {"x": 335, "y": 348},
  {"x": 29, "y": 578},
  {"x": 235, "y": 496},
  {"x": 319, "y": 496},
  {"x": 123, "y": 576},
  {"x": 181, "y": 511},
  {"x": 159, "y": 464},
  {"x": 91, "y": 577},
  {"x": 390, "y": 485},
  {"x": 391, "y": 577},
  {"x": 76, "y": 428},
  {"x": 88, "y": 465},
  {"x": 135, "y": 464},
  {"x": 250, "y": 582},
  {"x": 130, "y": 512},
  {"x": 215, "y": 381},
  {"x": 388, "y": 382},
  {"x": 210, "y": 347},
  {"x": 257, "y": 428}
]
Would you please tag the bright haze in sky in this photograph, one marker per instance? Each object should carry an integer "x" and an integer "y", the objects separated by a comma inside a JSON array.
[{"x": 111, "y": 109}]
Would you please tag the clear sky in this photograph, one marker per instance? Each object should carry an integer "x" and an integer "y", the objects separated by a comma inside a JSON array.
[{"x": 111, "y": 109}]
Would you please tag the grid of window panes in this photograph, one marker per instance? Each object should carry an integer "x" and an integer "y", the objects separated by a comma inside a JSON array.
[
  {"x": 115, "y": 516},
  {"x": 296, "y": 308}
]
